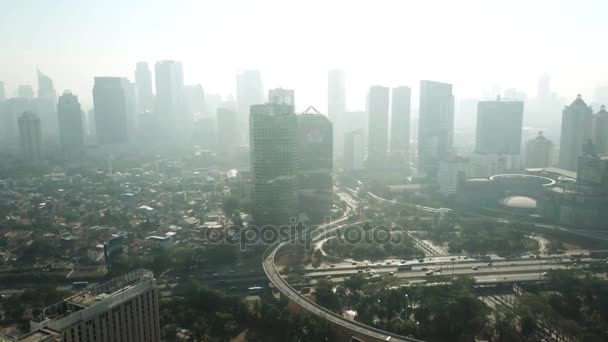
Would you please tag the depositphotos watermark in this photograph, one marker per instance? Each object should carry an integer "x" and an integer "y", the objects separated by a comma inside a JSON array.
[{"x": 301, "y": 234}]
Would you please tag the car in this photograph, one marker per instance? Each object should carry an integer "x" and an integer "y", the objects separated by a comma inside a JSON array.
[
  {"x": 452, "y": 258},
  {"x": 545, "y": 274},
  {"x": 465, "y": 257},
  {"x": 474, "y": 268},
  {"x": 359, "y": 271},
  {"x": 328, "y": 277},
  {"x": 353, "y": 263},
  {"x": 490, "y": 263},
  {"x": 391, "y": 273},
  {"x": 424, "y": 268},
  {"x": 420, "y": 260},
  {"x": 402, "y": 261},
  {"x": 429, "y": 272},
  {"x": 388, "y": 262},
  {"x": 332, "y": 265}
]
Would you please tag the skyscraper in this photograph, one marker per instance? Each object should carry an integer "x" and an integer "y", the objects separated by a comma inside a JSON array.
[
  {"x": 249, "y": 91},
  {"x": 498, "y": 137},
  {"x": 400, "y": 126},
  {"x": 29, "y": 132},
  {"x": 539, "y": 152},
  {"x": 336, "y": 107},
  {"x": 195, "y": 99},
  {"x": 499, "y": 126},
  {"x": 124, "y": 309},
  {"x": 576, "y": 131},
  {"x": 377, "y": 144},
  {"x": 111, "y": 110},
  {"x": 336, "y": 98},
  {"x": 315, "y": 165},
  {"x": 13, "y": 107},
  {"x": 227, "y": 131},
  {"x": 435, "y": 125},
  {"x": 281, "y": 96},
  {"x": 143, "y": 81},
  {"x": 451, "y": 170},
  {"x": 354, "y": 152},
  {"x": 170, "y": 99},
  {"x": 47, "y": 106},
  {"x": 25, "y": 92},
  {"x": 71, "y": 128},
  {"x": 600, "y": 131},
  {"x": 274, "y": 163}
]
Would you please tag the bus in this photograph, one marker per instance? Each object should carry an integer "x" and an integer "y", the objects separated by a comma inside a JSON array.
[
  {"x": 404, "y": 268},
  {"x": 254, "y": 289},
  {"x": 80, "y": 284}
]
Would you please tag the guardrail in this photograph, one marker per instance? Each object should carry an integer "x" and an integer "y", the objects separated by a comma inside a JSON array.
[{"x": 364, "y": 329}]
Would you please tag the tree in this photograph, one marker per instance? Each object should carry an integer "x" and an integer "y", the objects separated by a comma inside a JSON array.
[
  {"x": 230, "y": 204},
  {"x": 326, "y": 297}
]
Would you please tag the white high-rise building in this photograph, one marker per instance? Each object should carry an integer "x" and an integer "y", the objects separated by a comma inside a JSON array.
[
  {"x": 539, "y": 152},
  {"x": 435, "y": 125},
  {"x": 143, "y": 82},
  {"x": 576, "y": 131},
  {"x": 281, "y": 96},
  {"x": 111, "y": 103},
  {"x": 124, "y": 309},
  {"x": 171, "y": 109},
  {"x": 354, "y": 150},
  {"x": 450, "y": 172},
  {"x": 249, "y": 92},
  {"x": 31, "y": 136}
]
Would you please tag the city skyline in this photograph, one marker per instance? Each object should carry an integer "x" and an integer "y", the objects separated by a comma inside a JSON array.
[{"x": 150, "y": 39}]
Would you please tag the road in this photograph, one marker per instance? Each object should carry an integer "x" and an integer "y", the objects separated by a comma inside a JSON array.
[
  {"x": 283, "y": 286},
  {"x": 499, "y": 271}
]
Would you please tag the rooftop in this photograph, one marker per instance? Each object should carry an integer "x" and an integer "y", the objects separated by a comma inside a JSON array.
[{"x": 89, "y": 297}]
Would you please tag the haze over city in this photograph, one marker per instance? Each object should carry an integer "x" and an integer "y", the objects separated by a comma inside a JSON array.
[
  {"x": 303, "y": 171},
  {"x": 471, "y": 44}
]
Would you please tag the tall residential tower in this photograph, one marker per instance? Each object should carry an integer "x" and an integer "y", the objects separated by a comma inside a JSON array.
[
  {"x": 435, "y": 125},
  {"x": 576, "y": 131},
  {"x": 274, "y": 163},
  {"x": 377, "y": 145}
]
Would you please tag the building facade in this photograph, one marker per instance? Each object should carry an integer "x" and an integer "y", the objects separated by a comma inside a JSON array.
[
  {"x": 336, "y": 108},
  {"x": 171, "y": 111},
  {"x": 377, "y": 142},
  {"x": 499, "y": 125},
  {"x": 124, "y": 309},
  {"x": 600, "y": 131},
  {"x": 315, "y": 149},
  {"x": 576, "y": 131},
  {"x": 539, "y": 152},
  {"x": 400, "y": 126},
  {"x": 31, "y": 137},
  {"x": 71, "y": 126},
  {"x": 354, "y": 151},
  {"x": 143, "y": 82},
  {"x": 249, "y": 92},
  {"x": 111, "y": 110},
  {"x": 451, "y": 172},
  {"x": 227, "y": 131},
  {"x": 274, "y": 163},
  {"x": 435, "y": 125},
  {"x": 47, "y": 106},
  {"x": 281, "y": 96}
]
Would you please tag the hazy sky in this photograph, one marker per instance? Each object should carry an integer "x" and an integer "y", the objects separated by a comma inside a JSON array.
[{"x": 472, "y": 44}]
